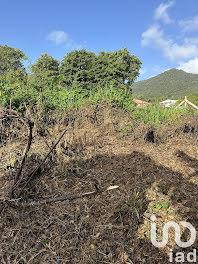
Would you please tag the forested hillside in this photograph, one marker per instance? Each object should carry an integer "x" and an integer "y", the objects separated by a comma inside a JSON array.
[{"x": 171, "y": 84}]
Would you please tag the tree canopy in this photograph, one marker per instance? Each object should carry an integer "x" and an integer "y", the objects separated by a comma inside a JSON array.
[
  {"x": 81, "y": 74},
  {"x": 45, "y": 72},
  {"x": 12, "y": 73},
  {"x": 82, "y": 69},
  {"x": 11, "y": 59},
  {"x": 77, "y": 68},
  {"x": 46, "y": 64}
]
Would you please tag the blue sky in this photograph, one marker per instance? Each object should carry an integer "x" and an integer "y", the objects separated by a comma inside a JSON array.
[{"x": 163, "y": 34}]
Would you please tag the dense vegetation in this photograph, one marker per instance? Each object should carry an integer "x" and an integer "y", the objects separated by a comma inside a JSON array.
[
  {"x": 169, "y": 84},
  {"x": 81, "y": 76}
]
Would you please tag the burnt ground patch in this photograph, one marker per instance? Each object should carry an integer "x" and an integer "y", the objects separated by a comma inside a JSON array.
[{"x": 101, "y": 229}]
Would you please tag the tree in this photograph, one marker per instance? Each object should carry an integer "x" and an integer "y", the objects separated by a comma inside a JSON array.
[
  {"x": 13, "y": 76},
  {"x": 82, "y": 69},
  {"x": 11, "y": 59},
  {"x": 77, "y": 68},
  {"x": 118, "y": 67},
  {"x": 46, "y": 80},
  {"x": 45, "y": 71}
]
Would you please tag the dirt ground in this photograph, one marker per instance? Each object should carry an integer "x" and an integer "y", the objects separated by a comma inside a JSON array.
[{"x": 157, "y": 173}]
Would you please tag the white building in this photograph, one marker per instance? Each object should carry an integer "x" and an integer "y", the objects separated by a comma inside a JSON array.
[{"x": 168, "y": 103}]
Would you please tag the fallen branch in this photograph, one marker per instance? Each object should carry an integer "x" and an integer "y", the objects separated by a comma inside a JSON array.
[
  {"x": 69, "y": 197},
  {"x": 29, "y": 177},
  {"x": 6, "y": 113}
]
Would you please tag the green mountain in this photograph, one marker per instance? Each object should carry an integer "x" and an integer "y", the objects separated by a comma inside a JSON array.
[{"x": 171, "y": 84}]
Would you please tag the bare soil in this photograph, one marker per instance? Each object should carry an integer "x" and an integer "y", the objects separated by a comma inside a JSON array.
[{"x": 156, "y": 170}]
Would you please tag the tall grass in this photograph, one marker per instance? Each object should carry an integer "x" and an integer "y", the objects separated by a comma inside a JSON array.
[
  {"x": 156, "y": 115},
  {"x": 73, "y": 99}
]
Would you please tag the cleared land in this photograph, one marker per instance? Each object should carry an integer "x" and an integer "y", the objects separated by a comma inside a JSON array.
[{"x": 156, "y": 171}]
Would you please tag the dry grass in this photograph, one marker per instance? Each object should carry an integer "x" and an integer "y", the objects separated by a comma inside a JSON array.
[{"x": 155, "y": 178}]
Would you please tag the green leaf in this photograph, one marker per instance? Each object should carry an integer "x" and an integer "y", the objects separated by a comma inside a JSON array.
[
  {"x": 158, "y": 206},
  {"x": 165, "y": 205}
]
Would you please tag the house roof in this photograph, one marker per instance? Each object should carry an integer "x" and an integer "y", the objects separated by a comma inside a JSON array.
[{"x": 140, "y": 102}]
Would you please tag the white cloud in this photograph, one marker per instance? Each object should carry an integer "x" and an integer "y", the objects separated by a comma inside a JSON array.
[
  {"x": 154, "y": 36},
  {"x": 58, "y": 36},
  {"x": 191, "y": 66},
  {"x": 189, "y": 25},
  {"x": 161, "y": 12},
  {"x": 143, "y": 71},
  {"x": 183, "y": 51}
]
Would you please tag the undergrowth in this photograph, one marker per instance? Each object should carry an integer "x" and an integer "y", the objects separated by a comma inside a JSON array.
[
  {"x": 157, "y": 115},
  {"x": 153, "y": 114},
  {"x": 71, "y": 100}
]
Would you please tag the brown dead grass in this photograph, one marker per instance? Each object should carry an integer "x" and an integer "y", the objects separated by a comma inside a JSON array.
[{"x": 108, "y": 228}]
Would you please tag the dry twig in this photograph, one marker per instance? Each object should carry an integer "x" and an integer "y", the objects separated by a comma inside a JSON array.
[
  {"x": 33, "y": 173},
  {"x": 69, "y": 197}
]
